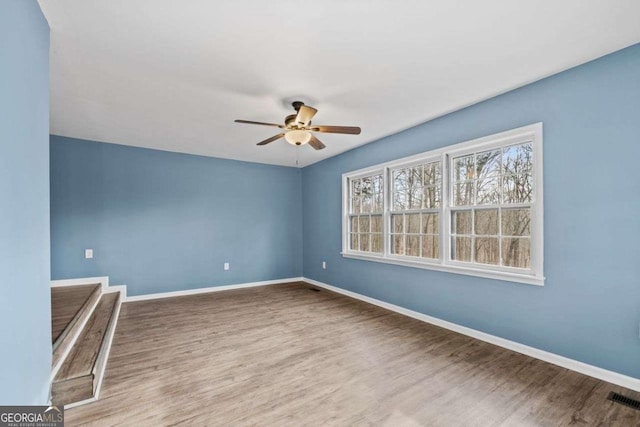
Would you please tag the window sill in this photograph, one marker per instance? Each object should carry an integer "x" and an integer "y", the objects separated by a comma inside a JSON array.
[{"x": 469, "y": 271}]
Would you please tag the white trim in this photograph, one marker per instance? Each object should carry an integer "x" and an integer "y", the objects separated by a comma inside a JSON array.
[
  {"x": 171, "y": 294},
  {"x": 117, "y": 288},
  {"x": 80, "y": 403},
  {"x": 532, "y": 276},
  {"x": 103, "y": 281},
  {"x": 468, "y": 271},
  {"x": 571, "y": 364},
  {"x": 112, "y": 333}
]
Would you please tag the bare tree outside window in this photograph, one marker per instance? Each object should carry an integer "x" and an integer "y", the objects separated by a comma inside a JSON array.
[
  {"x": 415, "y": 218},
  {"x": 365, "y": 216},
  {"x": 473, "y": 208},
  {"x": 491, "y": 212}
]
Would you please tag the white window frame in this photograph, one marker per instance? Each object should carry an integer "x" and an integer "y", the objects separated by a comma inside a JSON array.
[
  {"x": 532, "y": 276},
  {"x": 363, "y": 173}
]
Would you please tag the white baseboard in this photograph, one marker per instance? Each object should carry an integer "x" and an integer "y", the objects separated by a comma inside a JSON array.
[
  {"x": 80, "y": 403},
  {"x": 574, "y": 365},
  {"x": 117, "y": 288},
  {"x": 210, "y": 289}
]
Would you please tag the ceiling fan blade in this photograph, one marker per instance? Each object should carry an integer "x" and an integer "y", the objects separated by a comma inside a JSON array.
[
  {"x": 249, "y": 122},
  {"x": 273, "y": 138},
  {"x": 350, "y": 130},
  {"x": 305, "y": 114},
  {"x": 316, "y": 143}
]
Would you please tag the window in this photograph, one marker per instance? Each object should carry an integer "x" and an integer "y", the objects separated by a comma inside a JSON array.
[
  {"x": 473, "y": 208},
  {"x": 365, "y": 213},
  {"x": 491, "y": 206},
  {"x": 415, "y": 210}
]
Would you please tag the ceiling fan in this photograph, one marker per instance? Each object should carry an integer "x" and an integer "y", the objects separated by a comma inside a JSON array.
[{"x": 298, "y": 128}]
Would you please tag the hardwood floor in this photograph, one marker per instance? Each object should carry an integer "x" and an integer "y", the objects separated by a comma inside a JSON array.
[{"x": 286, "y": 355}]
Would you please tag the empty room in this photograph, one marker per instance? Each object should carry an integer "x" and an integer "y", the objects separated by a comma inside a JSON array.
[{"x": 339, "y": 213}]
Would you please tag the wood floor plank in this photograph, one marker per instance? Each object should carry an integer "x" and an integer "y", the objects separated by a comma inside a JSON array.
[{"x": 284, "y": 355}]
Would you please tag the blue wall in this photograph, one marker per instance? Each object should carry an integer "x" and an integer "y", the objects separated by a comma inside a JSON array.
[
  {"x": 25, "y": 322},
  {"x": 589, "y": 309},
  {"x": 160, "y": 221}
]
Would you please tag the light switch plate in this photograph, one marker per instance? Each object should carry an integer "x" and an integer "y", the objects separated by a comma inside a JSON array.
[
  {"x": 226, "y": 265},
  {"x": 88, "y": 253}
]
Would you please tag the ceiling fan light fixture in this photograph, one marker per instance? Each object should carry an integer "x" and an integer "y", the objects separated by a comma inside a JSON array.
[
  {"x": 297, "y": 137},
  {"x": 297, "y": 129}
]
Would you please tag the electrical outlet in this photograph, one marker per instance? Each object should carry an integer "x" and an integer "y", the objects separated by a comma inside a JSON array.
[
  {"x": 324, "y": 265},
  {"x": 88, "y": 253},
  {"x": 226, "y": 265}
]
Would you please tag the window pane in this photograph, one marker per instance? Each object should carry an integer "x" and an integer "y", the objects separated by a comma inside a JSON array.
[
  {"x": 431, "y": 197},
  {"x": 396, "y": 224},
  {"x": 400, "y": 180},
  {"x": 516, "y": 222},
  {"x": 356, "y": 187},
  {"x": 412, "y": 247},
  {"x": 354, "y": 245},
  {"x": 517, "y": 188},
  {"x": 486, "y": 221},
  {"x": 413, "y": 223},
  {"x": 376, "y": 223},
  {"x": 415, "y": 177},
  {"x": 377, "y": 184},
  {"x": 488, "y": 164},
  {"x": 431, "y": 174},
  {"x": 415, "y": 198},
  {"x": 430, "y": 247},
  {"x": 397, "y": 244},
  {"x": 354, "y": 224},
  {"x": 463, "y": 193},
  {"x": 487, "y": 250},
  {"x": 378, "y": 202},
  {"x": 364, "y": 224},
  {"x": 430, "y": 223},
  {"x": 461, "y": 222},
  {"x": 365, "y": 204},
  {"x": 461, "y": 248},
  {"x": 367, "y": 186},
  {"x": 400, "y": 201},
  {"x": 516, "y": 252},
  {"x": 488, "y": 191},
  {"x": 463, "y": 168},
  {"x": 364, "y": 242},
  {"x": 376, "y": 242},
  {"x": 355, "y": 205},
  {"x": 517, "y": 159}
]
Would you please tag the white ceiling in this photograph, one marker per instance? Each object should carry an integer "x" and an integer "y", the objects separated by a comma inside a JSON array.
[{"x": 173, "y": 75}]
